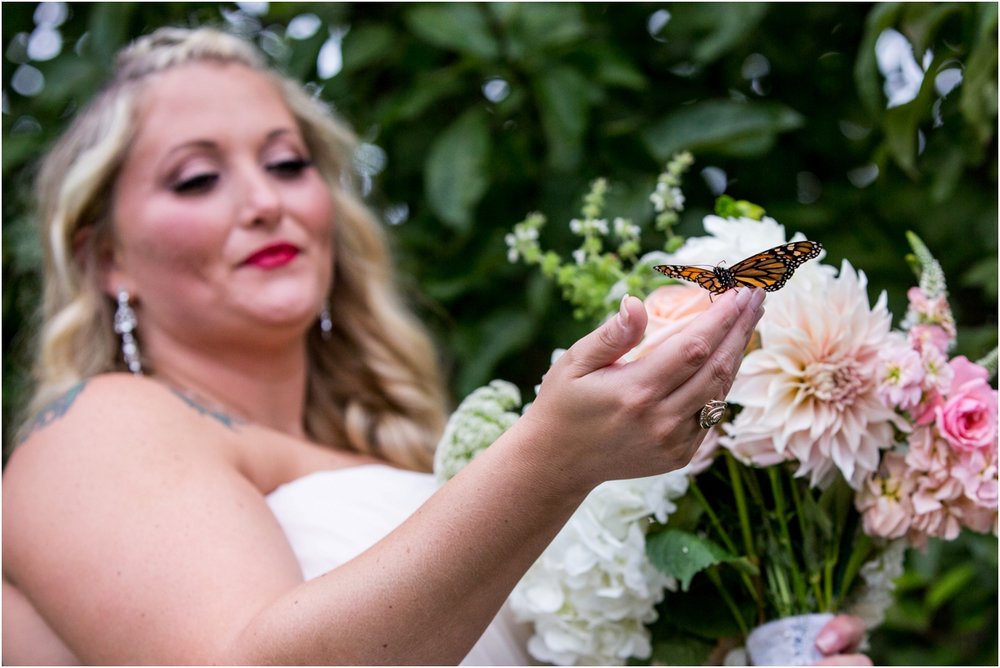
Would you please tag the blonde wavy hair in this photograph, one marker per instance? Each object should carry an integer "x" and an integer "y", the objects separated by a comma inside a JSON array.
[{"x": 374, "y": 386}]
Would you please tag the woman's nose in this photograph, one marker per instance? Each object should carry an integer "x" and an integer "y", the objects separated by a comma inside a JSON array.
[{"x": 261, "y": 199}]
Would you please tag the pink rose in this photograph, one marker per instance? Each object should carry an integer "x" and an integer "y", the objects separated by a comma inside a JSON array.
[{"x": 968, "y": 417}]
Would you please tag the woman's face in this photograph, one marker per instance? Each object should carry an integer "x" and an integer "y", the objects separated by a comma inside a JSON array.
[{"x": 223, "y": 226}]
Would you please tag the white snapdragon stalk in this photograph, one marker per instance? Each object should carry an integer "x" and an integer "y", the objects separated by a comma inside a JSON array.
[{"x": 875, "y": 597}]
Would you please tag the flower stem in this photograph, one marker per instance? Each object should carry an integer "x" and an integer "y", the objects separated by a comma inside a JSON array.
[
  {"x": 815, "y": 577},
  {"x": 713, "y": 518},
  {"x": 728, "y": 599},
  {"x": 741, "y": 506},
  {"x": 777, "y": 490},
  {"x": 857, "y": 558},
  {"x": 756, "y": 587},
  {"x": 730, "y": 545}
]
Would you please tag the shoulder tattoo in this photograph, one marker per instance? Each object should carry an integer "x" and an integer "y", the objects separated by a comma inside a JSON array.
[
  {"x": 229, "y": 421},
  {"x": 52, "y": 412}
]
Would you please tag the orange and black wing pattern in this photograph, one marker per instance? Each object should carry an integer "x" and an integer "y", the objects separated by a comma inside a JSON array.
[
  {"x": 706, "y": 278},
  {"x": 772, "y": 268},
  {"x": 769, "y": 269}
]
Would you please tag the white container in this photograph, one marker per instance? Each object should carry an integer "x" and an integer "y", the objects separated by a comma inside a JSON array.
[{"x": 790, "y": 641}]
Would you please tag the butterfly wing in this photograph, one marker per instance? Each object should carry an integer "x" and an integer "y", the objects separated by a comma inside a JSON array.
[
  {"x": 706, "y": 278},
  {"x": 773, "y": 267}
]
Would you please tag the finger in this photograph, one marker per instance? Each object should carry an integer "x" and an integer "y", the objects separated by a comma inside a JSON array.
[
  {"x": 612, "y": 339},
  {"x": 845, "y": 660},
  {"x": 731, "y": 355},
  {"x": 843, "y": 633},
  {"x": 682, "y": 355},
  {"x": 714, "y": 378}
]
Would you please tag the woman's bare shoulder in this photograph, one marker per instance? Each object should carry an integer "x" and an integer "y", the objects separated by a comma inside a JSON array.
[
  {"x": 114, "y": 390},
  {"x": 122, "y": 506},
  {"x": 104, "y": 427},
  {"x": 113, "y": 405}
]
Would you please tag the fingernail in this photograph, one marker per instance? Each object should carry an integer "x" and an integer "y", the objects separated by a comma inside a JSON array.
[
  {"x": 827, "y": 641},
  {"x": 757, "y": 298},
  {"x": 742, "y": 297},
  {"x": 623, "y": 315}
]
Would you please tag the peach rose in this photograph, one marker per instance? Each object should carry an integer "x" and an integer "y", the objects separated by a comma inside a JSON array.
[{"x": 670, "y": 308}]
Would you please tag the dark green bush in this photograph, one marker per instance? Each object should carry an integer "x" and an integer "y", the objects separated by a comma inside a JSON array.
[{"x": 479, "y": 113}]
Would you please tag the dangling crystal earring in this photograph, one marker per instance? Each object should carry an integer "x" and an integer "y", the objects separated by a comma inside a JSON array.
[
  {"x": 325, "y": 323},
  {"x": 125, "y": 323}
]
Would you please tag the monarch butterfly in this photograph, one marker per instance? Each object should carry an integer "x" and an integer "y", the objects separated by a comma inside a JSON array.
[{"x": 768, "y": 269}]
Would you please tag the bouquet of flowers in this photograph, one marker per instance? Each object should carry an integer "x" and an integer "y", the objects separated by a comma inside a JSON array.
[{"x": 847, "y": 442}]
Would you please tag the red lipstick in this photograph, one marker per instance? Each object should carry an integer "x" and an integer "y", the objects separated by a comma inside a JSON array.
[{"x": 275, "y": 255}]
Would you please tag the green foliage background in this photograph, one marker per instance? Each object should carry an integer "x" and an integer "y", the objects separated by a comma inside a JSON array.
[{"x": 475, "y": 114}]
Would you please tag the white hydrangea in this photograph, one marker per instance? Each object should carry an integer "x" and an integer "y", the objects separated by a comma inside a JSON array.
[
  {"x": 479, "y": 420},
  {"x": 591, "y": 593}
]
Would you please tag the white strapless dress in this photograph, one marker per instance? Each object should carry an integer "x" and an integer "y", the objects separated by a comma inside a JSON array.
[{"x": 333, "y": 516}]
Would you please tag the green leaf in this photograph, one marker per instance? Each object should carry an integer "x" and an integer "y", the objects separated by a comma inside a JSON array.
[
  {"x": 461, "y": 27},
  {"x": 531, "y": 29},
  {"x": 981, "y": 274},
  {"x": 727, "y": 207},
  {"x": 678, "y": 649},
  {"x": 713, "y": 29},
  {"x": 366, "y": 44},
  {"x": 303, "y": 55},
  {"x": 17, "y": 151},
  {"x": 614, "y": 69},
  {"x": 949, "y": 584},
  {"x": 978, "y": 96},
  {"x": 489, "y": 340},
  {"x": 108, "y": 28},
  {"x": 922, "y": 21},
  {"x": 563, "y": 105},
  {"x": 429, "y": 89},
  {"x": 720, "y": 126},
  {"x": 866, "y": 73},
  {"x": 682, "y": 555},
  {"x": 457, "y": 169},
  {"x": 902, "y": 122}
]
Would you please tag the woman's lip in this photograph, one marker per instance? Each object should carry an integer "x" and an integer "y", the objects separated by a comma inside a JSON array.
[{"x": 274, "y": 255}]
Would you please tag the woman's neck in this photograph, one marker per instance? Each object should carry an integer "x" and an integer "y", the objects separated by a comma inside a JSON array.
[{"x": 268, "y": 389}]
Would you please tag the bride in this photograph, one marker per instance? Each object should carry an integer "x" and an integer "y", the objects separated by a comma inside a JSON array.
[{"x": 234, "y": 413}]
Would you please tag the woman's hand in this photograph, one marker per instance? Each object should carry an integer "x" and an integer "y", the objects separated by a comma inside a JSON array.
[
  {"x": 839, "y": 640},
  {"x": 609, "y": 419}
]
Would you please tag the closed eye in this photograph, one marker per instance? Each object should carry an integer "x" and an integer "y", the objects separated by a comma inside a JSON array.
[
  {"x": 196, "y": 184},
  {"x": 289, "y": 169}
]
